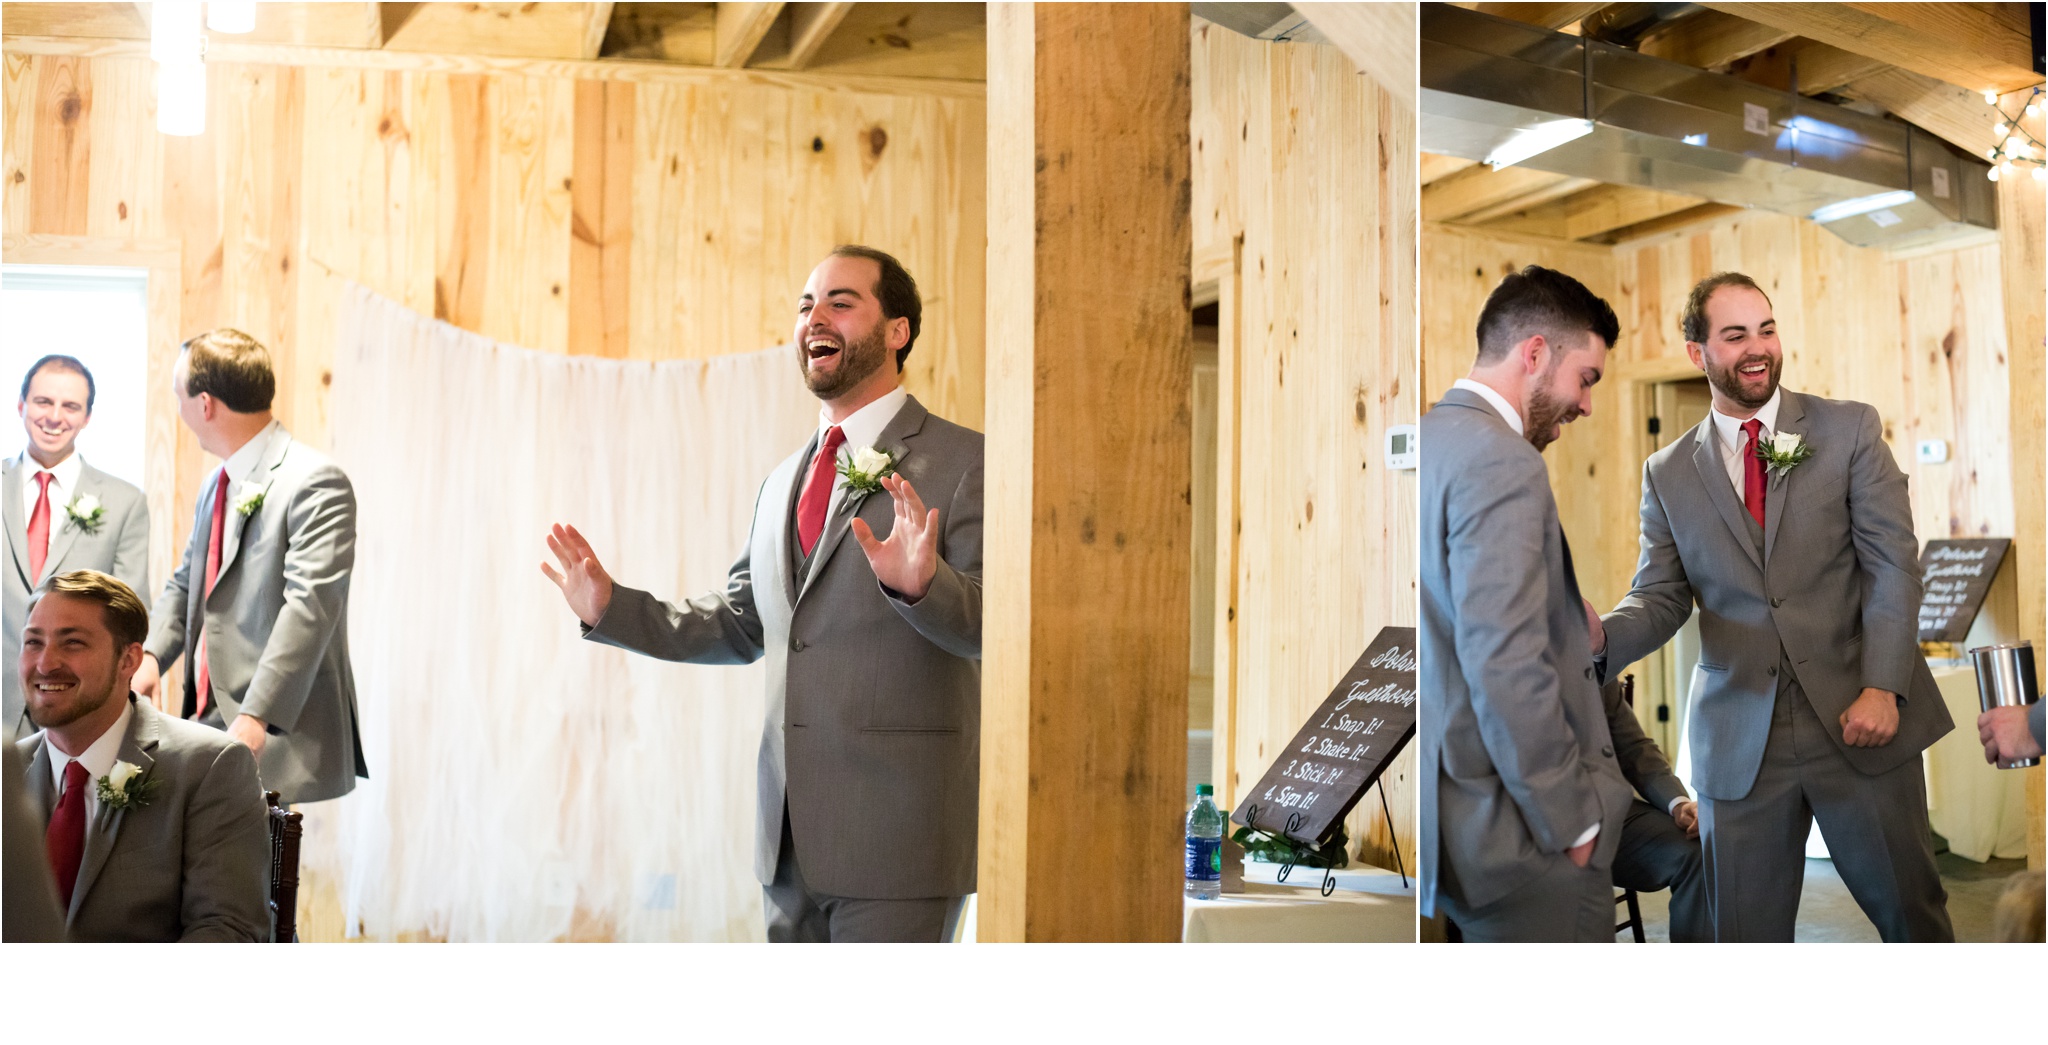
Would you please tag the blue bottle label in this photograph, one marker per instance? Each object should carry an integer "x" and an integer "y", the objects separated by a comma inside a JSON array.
[{"x": 1205, "y": 859}]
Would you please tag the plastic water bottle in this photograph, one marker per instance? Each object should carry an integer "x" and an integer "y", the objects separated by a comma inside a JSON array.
[{"x": 1205, "y": 846}]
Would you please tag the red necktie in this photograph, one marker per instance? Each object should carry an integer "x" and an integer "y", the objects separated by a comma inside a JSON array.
[
  {"x": 39, "y": 529},
  {"x": 1753, "y": 471},
  {"x": 65, "y": 837},
  {"x": 204, "y": 686},
  {"x": 810, "y": 508}
]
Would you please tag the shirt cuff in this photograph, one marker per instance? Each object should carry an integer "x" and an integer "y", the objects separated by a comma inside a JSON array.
[
  {"x": 1673, "y": 807},
  {"x": 1590, "y": 834}
]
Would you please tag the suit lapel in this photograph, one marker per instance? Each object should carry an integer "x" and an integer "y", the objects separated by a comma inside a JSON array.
[
  {"x": 106, "y": 827},
  {"x": 60, "y": 521},
  {"x": 906, "y": 424},
  {"x": 1706, "y": 457},
  {"x": 41, "y": 789},
  {"x": 261, "y": 478},
  {"x": 15, "y": 521},
  {"x": 1791, "y": 418},
  {"x": 789, "y": 557}
]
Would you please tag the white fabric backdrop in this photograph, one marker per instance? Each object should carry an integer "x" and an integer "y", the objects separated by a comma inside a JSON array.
[{"x": 523, "y": 779}]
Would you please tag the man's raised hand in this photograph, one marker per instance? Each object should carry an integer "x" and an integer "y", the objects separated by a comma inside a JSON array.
[
  {"x": 583, "y": 581},
  {"x": 906, "y": 561}
]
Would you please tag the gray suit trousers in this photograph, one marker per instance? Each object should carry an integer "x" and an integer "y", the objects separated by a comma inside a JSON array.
[
  {"x": 1562, "y": 904},
  {"x": 1655, "y": 854},
  {"x": 1875, "y": 826},
  {"x": 797, "y": 914}
]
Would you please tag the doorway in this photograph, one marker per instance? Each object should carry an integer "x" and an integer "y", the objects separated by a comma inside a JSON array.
[{"x": 1676, "y": 407}]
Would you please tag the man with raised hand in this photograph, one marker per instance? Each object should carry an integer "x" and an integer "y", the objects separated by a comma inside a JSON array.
[
  {"x": 61, "y": 513},
  {"x": 1784, "y": 518},
  {"x": 1522, "y": 802},
  {"x": 261, "y": 599},
  {"x": 870, "y": 756}
]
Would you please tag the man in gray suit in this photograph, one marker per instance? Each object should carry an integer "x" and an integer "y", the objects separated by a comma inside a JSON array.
[
  {"x": 61, "y": 513},
  {"x": 261, "y": 598},
  {"x": 1811, "y": 701},
  {"x": 1660, "y": 846},
  {"x": 28, "y": 894},
  {"x": 155, "y": 828},
  {"x": 1522, "y": 801},
  {"x": 870, "y": 756}
]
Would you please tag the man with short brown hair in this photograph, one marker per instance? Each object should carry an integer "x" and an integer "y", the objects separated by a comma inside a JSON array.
[
  {"x": 155, "y": 828},
  {"x": 261, "y": 599},
  {"x": 60, "y": 512}
]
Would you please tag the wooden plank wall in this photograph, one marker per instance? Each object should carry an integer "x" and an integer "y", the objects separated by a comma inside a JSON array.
[
  {"x": 1304, "y": 173},
  {"x": 648, "y": 220}
]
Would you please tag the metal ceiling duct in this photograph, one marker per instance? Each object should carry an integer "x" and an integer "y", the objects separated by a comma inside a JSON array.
[{"x": 1494, "y": 89}]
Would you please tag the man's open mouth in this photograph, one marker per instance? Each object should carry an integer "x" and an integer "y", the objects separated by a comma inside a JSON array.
[{"x": 821, "y": 349}]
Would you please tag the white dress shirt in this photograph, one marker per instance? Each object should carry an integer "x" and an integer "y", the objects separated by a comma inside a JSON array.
[
  {"x": 63, "y": 486},
  {"x": 861, "y": 428},
  {"x": 1507, "y": 413},
  {"x": 98, "y": 759},
  {"x": 1735, "y": 445},
  {"x": 1499, "y": 402},
  {"x": 241, "y": 464}
]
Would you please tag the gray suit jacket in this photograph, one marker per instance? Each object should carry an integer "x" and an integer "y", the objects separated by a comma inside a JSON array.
[
  {"x": 873, "y": 733},
  {"x": 1516, "y": 757},
  {"x": 277, "y": 622},
  {"x": 1836, "y": 586},
  {"x": 192, "y": 865},
  {"x": 119, "y": 546},
  {"x": 29, "y": 893},
  {"x": 1642, "y": 761}
]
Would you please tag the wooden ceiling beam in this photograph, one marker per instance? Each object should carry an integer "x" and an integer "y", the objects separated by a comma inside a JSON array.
[
  {"x": 741, "y": 28},
  {"x": 1547, "y": 15},
  {"x": 1956, "y": 115},
  {"x": 1479, "y": 192},
  {"x": 558, "y": 30},
  {"x": 810, "y": 25},
  {"x": 1979, "y": 47},
  {"x": 1817, "y": 67},
  {"x": 1668, "y": 223},
  {"x": 1435, "y": 166},
  {"x": 1554, "y": 191},
  {"x": 596, "y": 20},
  {"x": 1712, "y": 39},
  {"x": 1378, "y": 38},
  {"x": 1597, "y": 210}
]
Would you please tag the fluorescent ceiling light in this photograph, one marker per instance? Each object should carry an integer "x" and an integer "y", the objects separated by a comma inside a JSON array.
[
  {"x": 1539, "y": 138},
  {"x": 231, "y": 17},
  {"x": 1863, "y": 205},
  {"x": 181, "y": 98},
  {"x": 174, "y": 32}
]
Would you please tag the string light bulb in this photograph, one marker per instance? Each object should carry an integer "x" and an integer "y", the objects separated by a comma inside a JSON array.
[
  {"x": 2041, "y": 174},
  {"x": 1991, "y": 97},
  {"x": 1992, "y": 174}
]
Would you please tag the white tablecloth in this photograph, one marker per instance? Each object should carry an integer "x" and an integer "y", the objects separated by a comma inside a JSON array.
[
  {"x": 1980, "y": 809},
  {"x": 1368, "y": 906}
]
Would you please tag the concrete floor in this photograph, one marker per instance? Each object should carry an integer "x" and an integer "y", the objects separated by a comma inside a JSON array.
[{"x": 1828, "y": 914}]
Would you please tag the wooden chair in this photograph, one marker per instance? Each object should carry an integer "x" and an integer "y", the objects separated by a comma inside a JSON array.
[{"x": 285, "y": 829}]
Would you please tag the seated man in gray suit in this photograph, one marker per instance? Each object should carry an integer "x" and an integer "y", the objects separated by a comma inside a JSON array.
[
  {"x": 261, "y": 598},
  {"x": 61, "y": 513},
  {"x": 1784, "y": 518},
  {"x": 155, "y": 828},
  {"x": 1522, "y": 802},
  {"x": 1660, "y": 846},
  {"x": 870, "y": 757}
]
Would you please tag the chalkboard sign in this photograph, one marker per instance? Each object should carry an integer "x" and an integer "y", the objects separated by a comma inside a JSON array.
[
  {"x": 1342, "y": 750},
  {"x": 1955, "y": 576}
]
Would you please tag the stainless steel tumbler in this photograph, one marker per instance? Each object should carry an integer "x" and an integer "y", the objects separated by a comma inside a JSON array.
[{"x": 2005, "y": 678}]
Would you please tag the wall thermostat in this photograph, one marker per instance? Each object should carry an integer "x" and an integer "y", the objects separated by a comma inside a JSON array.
[
  {"x": 1403, "y": 448},
  {"x": 1933, "y": 451}
]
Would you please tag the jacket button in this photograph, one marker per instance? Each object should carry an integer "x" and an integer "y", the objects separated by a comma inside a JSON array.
[
  {"x": 1589, "y": 672},
  {"x": 1775, "y": 603},
  {"x": 1606, "y": 752},
  {"x": 1774, "y": 672},
  {"x": 796, "y": 645}
]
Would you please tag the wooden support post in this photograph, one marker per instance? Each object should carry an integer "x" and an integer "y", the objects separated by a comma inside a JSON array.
[
  {"x": 1090, "y": 365},
  {"x": 2021, "y": 231}
]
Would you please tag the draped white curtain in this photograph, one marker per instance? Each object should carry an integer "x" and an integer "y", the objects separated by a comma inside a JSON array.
[{"x": 527, "y": 784}]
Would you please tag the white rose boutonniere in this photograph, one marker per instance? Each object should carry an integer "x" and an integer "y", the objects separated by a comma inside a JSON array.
[
  {"x": 865, "y": 469},
  {"x": 126, "y": 787},
  {"x": 86, "y": 513},
  {"x": 1784, "y": 452},
  {"x": 249, "y": 503}
]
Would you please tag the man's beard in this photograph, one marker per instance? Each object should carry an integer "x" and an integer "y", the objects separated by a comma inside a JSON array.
[
  {"x": 857, "y": 360},
  {"x": 1730, "y": 383},
  {"x": 83, "y": 703},
  {"x": 1547, "y": 411}
]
